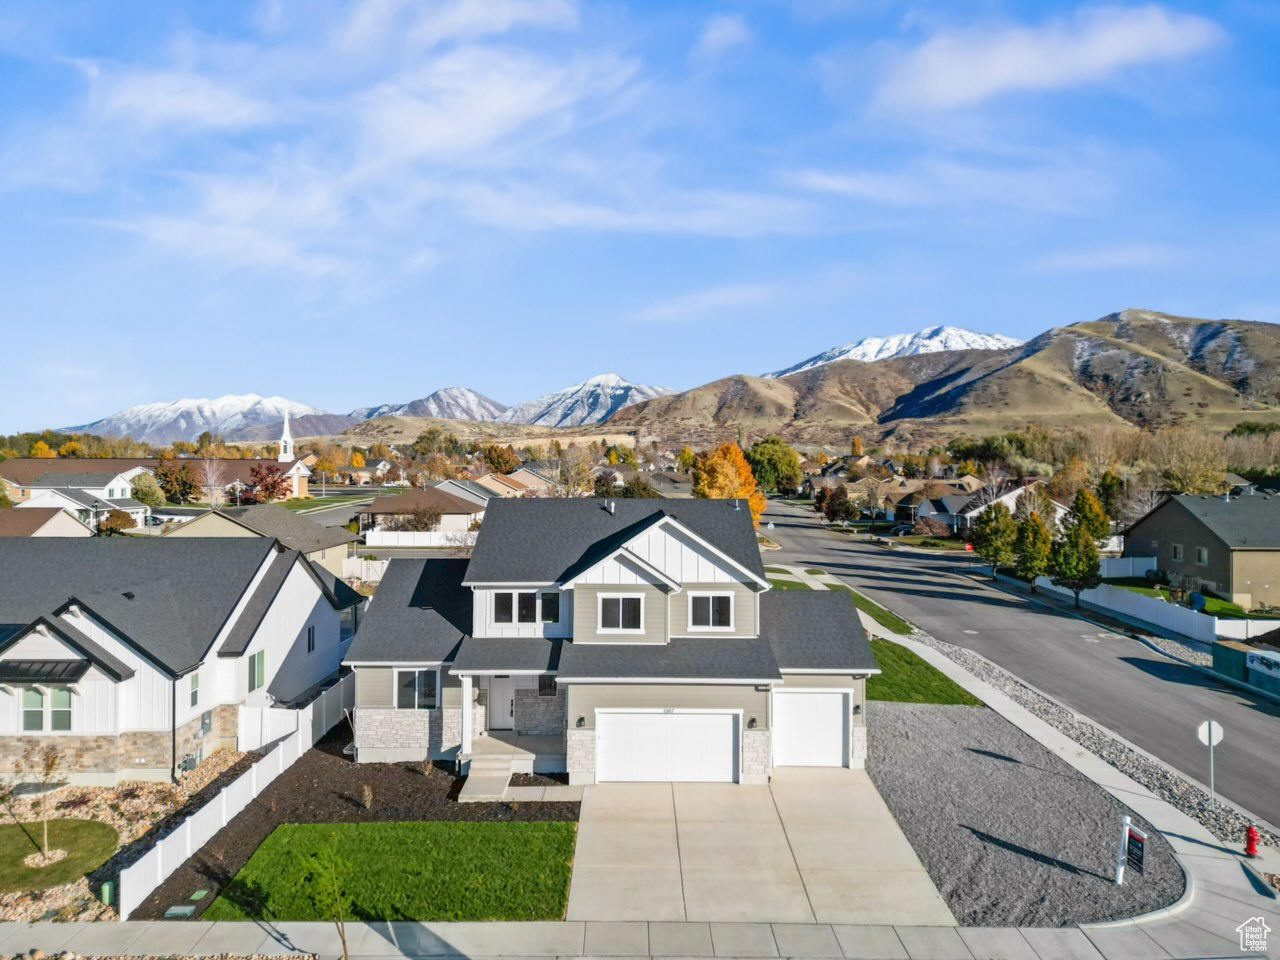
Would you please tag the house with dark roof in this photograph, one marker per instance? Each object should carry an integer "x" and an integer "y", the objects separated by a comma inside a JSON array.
[
  {"x": 87, "y": 494},
  {"x": 42, "y": 522},
  {"x": 627, "y": 640},
  {"x": 387, "y": 522},
  {"x": 959, "y": 510},
  {"x": 133, "y": 655},
  {"x": 1225, "y": 545},
  {"x": 325, "y": 546}
]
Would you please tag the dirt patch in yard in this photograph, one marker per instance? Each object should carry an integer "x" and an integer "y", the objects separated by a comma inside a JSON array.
[
  {"x": 1010, "y": 834},
  {"x": 325, "y": 786},
  {"x": 539, "y": 780}
]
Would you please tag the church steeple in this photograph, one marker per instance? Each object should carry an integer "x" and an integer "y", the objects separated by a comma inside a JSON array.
[{"x": 286, "y": 441}]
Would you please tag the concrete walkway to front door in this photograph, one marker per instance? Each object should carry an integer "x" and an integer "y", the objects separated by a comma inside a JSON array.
[{"x": 816, "y": 845}]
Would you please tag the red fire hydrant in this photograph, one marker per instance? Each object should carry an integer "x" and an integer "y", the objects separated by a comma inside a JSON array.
[{"x": 1251, "y": 837}]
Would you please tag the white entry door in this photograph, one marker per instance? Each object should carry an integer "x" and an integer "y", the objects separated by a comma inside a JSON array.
[
  {"x": 810, "y": 728},
  {"x": 502, "y": 703},
  {"x": 657, "y": 746}
]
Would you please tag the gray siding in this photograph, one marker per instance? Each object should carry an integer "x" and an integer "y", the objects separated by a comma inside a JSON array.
[
  {"x": 584, "y": 698},
  {"x": 744, "y": 610},
  {"x": 450, "y": 689},
  {"x": 1156, "y": 535},
  {"x": 586, "y": 616},
  {"x": 375, "y": 687}
]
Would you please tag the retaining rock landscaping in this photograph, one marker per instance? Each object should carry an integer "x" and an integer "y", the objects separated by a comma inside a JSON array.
[{"x": 1010, "y": 834}]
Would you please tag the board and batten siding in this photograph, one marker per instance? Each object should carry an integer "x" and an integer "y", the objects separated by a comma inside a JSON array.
[
  {"x": 681, "y": 557},
  {"x": 586, "y": 614},
  {"x": 585, "y": 698},
  {"x": 484, "y": 626},
  {"x": 744, "y": 610}
]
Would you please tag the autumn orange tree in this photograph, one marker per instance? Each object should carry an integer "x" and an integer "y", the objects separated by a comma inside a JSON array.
[{"x": 724, "y": 474}]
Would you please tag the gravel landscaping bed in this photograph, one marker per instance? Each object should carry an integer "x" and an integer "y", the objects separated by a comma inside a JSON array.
[
  {"x": 325, "y": 786},
  {"x": 1010, "y": 834},
  {"x": 1222, "y": 820}
]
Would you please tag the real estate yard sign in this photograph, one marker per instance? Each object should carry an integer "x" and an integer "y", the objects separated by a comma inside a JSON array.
[{"x": 1268, "y": 663}]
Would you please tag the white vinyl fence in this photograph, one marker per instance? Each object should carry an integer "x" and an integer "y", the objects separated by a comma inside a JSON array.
[
  {"x": 423, "y": 538},
  {"x": 359, "y": 568},
  {"x": 309, "y": 724}
]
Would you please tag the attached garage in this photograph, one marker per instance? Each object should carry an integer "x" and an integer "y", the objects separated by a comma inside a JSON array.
[
  {"x": 667, "y": 745},
  {"x": 811, "y": 728}
]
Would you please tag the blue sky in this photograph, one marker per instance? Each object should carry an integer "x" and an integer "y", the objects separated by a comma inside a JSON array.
[{"x": 356, "y": 203}]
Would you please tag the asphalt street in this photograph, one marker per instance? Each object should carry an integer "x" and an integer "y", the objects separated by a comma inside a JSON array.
[{"x": 1114, "y": 680}]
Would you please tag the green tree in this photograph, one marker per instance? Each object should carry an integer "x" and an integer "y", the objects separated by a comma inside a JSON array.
[
  {"x": 835, "y": 505},
  {"x": 994, "y": 533},
  {"x": 1087, "y": 512},
  {"x": 776, "y": 466},
  {"x": 638, "y": 488},
  {"x": 326, "y": 879},
  {"x": 146, "y": 490},
  {"x": 1110, "y": 491},
  {"x": 1031, "y": 548},
  {"x": 500, "y": 459},
  {"x": 114, "y": 523},
  {"x": 1074, "y": 562},
  {"x": 5, "y": 502},
  {"x": 686, "y": 459},
  {"x": 176, "y": 479}
]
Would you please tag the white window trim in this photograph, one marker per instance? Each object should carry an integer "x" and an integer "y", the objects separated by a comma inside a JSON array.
[
  {"x": 733, "y": 613},
  {"x": 537, "y": 620},
  {"x": 1205, "y": 561},
  {"x": 1178, "y": 554},
  {"x": 46, "y": 710},
  {"x": 193, "y": 690},
  {"x": 602, "y": 597},
  {"x": 415, "y": 670}
]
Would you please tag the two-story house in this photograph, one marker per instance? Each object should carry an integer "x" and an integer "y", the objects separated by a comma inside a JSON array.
[
  {"x": 132, "y": 655},
  {"x": 90, "y": 496},
  {"x": 628, "y": 640}
]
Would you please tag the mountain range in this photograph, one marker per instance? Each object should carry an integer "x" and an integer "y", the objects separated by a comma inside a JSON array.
[{"x": 1135, "y": 366}]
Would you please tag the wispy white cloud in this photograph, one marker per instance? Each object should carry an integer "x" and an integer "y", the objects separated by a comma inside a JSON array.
[
  {"x": 167, "y": 98},
  {"x": 701, "y": 304},
  {"x": 1125, "y": 256},
  {"x": 961, "y": 68},
  {"x": 720, "y": 34}
]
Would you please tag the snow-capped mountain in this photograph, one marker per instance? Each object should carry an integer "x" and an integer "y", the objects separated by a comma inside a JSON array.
[
  {"x": 590, "y": 401},
  {"x": 233, "y": 416},
  {"x": 451, "y": 403},
  {"x": 929, "y": 340}
]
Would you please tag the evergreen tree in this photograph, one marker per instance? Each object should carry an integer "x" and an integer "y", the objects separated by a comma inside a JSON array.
[
  {"x": 1110, "y": 492},
  {"x": 994, "y": 533},
  {"x": 1031, "y": 548},
  {"x": 1087, "y": 513}
]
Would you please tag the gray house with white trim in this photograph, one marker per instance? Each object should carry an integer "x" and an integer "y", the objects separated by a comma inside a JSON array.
[{"x": 629, "y": 640}]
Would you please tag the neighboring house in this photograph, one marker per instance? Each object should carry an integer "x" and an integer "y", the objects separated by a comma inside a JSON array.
[
  {"x": 625, "y": 640},
  {"x": 19, "y": 474},
  {"x": 42, "y": 522},
  {"x": 467, "y": 490},
  {"x": 1229, "y": 546},
  {"x": 132, "y": 654},
  {"x": 89, "y": 496},
  {"x": 502, "y": 486},
  {"x": 959, "y": 511},
  {"x": 456, "y": 514},
  {"x": 324, "y": 546},
  {"x": 672, "y": 484},
  {"x": 537, "y": 481}
]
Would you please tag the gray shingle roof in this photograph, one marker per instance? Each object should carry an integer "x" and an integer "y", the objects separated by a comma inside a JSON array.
[
  {"x": 815, "y": 631},
  {"x": 171, "y": 597},
  {"x": 94, "y": 480},
  {"x": 684, "y": 658},
  {"x": 538, "y": 541},
  {"x": 295, "y": 532},
  {"x": 499, "y": 655},
  {"x": 420, "y": 614},
  {"x": 1247, "y": 522}
]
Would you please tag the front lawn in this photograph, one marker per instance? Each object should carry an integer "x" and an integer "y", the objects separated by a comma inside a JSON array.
[
  {"x": 905, "y": 678},
  {"x": 1213, "y": 606},
  {"x": 411, "y": 871},
  {"x": 787, "y": 584},
  {"x": 89, "y": 845},
  {"x": 315, "y": 503}
]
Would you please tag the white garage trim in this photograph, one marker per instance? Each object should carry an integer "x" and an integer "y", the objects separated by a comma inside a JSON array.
[
  {"x": 788, "y": 746},
  {"x": 676, "y": 753}
]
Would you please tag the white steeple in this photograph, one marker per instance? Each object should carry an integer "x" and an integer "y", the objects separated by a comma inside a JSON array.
[{"x": 286, "y": 441}]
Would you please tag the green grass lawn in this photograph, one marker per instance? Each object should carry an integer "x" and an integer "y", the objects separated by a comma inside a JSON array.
[
  {"x": 1213, "y": 606},
  {"x": 411, "y": 871},
  {"x": 929, "y": 543},
  {"x": 890, "y": 621},
  {"x": 316, "y": 502},
  {"x": 788, "y": 585},
  {"x": 89, "y": 845},
  {"x": 815, "y": 572},
  {"x": 905, "y": 678}
]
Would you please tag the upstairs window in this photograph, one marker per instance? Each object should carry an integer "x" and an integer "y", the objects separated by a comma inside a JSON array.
[
  {"x": 311, "y": 639},
  {"x": 257, "y": 670},
  {"x": 1177, "y": 551},
  {"x": 416, "y": 689},
  {"x": 195, "y": 689},
  {"x": 711, "y": 611},
  {"x": 527, "y": 607},
  {"x": 522, "y": 607},
  {"x": 1202, "y": 556},
  {"x": 551, "y": 608},
  {"x": 621, "y": 613}
]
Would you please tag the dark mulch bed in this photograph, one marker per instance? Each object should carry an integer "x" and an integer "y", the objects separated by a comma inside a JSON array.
[
  {"x": 539, "y": 780},
  {"x": 327, "y": 787}
]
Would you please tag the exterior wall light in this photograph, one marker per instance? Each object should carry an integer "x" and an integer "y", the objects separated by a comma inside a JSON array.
[
  {"x": 582, "y": 721},
  {"x": 751, "y": 724},
  {"x": 857, "y": 709}
]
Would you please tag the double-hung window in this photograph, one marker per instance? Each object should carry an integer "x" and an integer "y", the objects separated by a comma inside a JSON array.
[
  {"x": 58, "y": 704},
  {"x": 32, "y": 709},
  {"x": 257, "y": 670},
  {"x": 195, "y": 688},
  {"x": 710, "y": 611},
  {"x": 417, "y": 689},
  {"x": 621, "y": 613},
  {"x": 1177, "y": 551},
  {"x": 526, "y": 606},
  {"x": 1202, "y": 556}
]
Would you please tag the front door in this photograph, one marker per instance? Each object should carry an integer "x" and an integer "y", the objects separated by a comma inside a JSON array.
[{"x": 502, "y": 703}]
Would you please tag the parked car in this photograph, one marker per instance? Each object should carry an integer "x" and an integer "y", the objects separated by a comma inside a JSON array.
[{"x": 153, "y": 522}]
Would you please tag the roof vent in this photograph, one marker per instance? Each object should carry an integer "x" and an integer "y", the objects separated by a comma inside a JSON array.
[
  {"x": 736, "y": 506},
  {"x": 613, "y": 508},
  {"x": 128, "y": 595}
]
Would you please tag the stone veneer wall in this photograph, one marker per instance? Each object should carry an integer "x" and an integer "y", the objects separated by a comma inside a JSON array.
[
  {"x": 539, "y": 716},
  {"x": 580, "y": 754},
  {"x": 389, "y": 735},
  {"x": 757, "y": 759},
  {"x": 858, "y": 751}
]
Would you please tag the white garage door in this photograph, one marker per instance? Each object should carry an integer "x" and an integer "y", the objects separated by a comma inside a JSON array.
[
  {"x": 810, "y": 729},
  {"x": 667, "y": 746}
]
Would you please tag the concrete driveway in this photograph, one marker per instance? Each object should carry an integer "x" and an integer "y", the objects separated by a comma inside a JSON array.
[{"x": 815, "y": 846}]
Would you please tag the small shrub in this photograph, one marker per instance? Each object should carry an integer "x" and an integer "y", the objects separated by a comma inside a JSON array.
[{"x": 366, "y": 796}]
